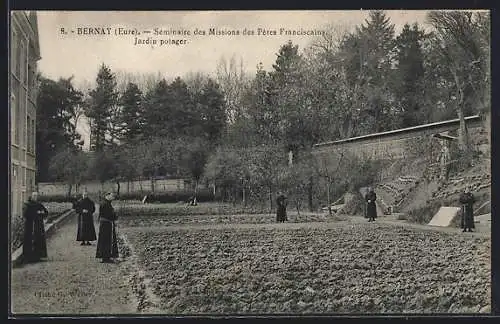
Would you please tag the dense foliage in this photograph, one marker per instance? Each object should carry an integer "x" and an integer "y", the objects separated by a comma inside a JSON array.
[{"x": 234, "y": 132}]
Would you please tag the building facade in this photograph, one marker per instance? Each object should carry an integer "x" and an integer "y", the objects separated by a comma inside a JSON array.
[{"x": 24, "y": 55}]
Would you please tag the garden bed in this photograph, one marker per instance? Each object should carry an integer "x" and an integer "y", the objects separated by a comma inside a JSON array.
[
  {"x": 174, "y": 214},
  {"x": 133, "y": 220},
  {"x": 346, "y": 269},
  {"x": 181, "y": 209}
]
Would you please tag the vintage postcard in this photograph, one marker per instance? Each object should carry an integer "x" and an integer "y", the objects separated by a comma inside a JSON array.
[{"x": 250, "y": 162}]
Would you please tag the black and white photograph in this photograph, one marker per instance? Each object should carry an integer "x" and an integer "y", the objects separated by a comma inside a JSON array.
[{"x": 243, "y": 163}]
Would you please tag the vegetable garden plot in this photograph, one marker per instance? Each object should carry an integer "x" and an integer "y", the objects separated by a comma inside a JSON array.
[
  {"x": 182, "y": 209},
  {"x": 354, "y": 269},
  {"x": 146, "y": 219}
]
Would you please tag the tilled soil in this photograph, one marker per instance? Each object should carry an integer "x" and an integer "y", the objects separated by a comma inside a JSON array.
[
  {"x": 146, "y": 219},
  {"x": 345, "y": 267},
  {"x": 221, "y": 267}
]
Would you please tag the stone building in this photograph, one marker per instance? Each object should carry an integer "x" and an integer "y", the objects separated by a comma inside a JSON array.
[{"x": 24, "y": 55}]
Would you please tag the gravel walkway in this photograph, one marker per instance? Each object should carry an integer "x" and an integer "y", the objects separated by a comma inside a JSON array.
[{"x": 71, "y": 280}]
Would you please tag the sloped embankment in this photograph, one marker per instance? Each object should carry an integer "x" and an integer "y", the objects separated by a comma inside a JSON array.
[
  {"x": 422, "y": 201},
  {"x": 412, "y": 188}
]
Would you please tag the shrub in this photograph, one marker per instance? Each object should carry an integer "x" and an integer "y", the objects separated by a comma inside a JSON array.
[
  {"x": 349, "y": 173},
  {"x": 461, "y": 160},
  {"x": 360, "y": 172},
  {"x": 17, "y": 232},
  {"x": 423, "y": 215},
  {"x": 354, "y": 204}
]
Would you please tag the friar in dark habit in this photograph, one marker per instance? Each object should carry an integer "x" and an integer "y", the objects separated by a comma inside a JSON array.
[
  {"x": 85, "y": 209},
  {"x": 371, "y": 207},
  {"x": 467, "y": 200},
  {"x": 107, "y": 245},
  {"x": 34, "y": 242},
  {"x": 281, "y": 203}
]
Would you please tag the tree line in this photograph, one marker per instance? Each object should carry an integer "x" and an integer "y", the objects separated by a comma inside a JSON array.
[{"x": 235, "y": 130}]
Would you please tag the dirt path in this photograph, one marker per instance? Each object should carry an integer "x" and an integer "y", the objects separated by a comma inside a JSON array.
[
  {"x": 71, "y": 281},
  {"x": 480, "y": 231}
]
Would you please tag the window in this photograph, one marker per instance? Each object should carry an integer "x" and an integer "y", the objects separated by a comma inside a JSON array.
[
  {"x": 29, "y": 187},
  {"x": 17, "y": 115},
  {"x": 31, "y": 82},
  {"x": 13, "y": 105},
  {"x": 14, "y": 187},
  {"x": 33, "y": 136},
  {"x": 19, "y": 51},
  {"x": 22, "y": 62},
  {"x": 28, "y": 135},
  {"x": 12, "y": 202},
  {"x": 21, "y": 140},
  {"x": 23, "y": 176},
  {"x": 26, "y": 69},
  {"x": 28, "y": 181},
  {"x": 13, "y": 51},
  {"x": 34, "y": 82}
]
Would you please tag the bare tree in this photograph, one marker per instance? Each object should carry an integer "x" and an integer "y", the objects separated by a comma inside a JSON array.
[
  {"x": 326, "y": 59},
  {"x": 196, "y": 81},
  {"x": 145, "y": 81},
  {"x": 329, "y": 42},
  {"x": 232, "y": 78},
  {"x": 460, "y": 40}
]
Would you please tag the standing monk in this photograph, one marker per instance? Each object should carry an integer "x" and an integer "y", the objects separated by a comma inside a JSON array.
[
  {"x": 85, "y": 208},
  {"x": 281, "y": 209},
  {"x": 467, "y": 200},
  {"x": 34, "y": 243},
  {"x": 371, "y": 207},
  {"x": 107, "y": 245}
]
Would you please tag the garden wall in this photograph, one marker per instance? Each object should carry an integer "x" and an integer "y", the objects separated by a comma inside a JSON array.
[{"x": 158, "y": 185}]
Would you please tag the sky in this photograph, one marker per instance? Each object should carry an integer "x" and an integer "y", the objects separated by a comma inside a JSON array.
[
  {"x": 81, "y": 55},
  {"x": 73, "y": 53}
]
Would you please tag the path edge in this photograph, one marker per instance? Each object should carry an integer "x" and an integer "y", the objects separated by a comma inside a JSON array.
[
  {"x": 50, "y": 229},
  {"x": 142, "y": 296}
]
